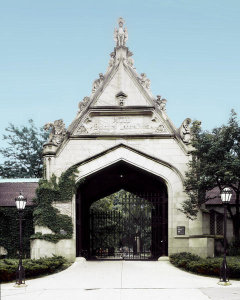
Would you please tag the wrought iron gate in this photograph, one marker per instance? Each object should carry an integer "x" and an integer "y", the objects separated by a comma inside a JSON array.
[{"x": 135, "y": 229}]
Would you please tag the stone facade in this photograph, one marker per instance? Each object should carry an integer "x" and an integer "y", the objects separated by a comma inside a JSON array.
[{"x": 122, "y": 121}]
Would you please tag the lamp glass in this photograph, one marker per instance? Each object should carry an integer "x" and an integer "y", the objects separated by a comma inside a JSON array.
[
  {"x": 226, "y": 195},
  {"x": 20, "y": 202}
]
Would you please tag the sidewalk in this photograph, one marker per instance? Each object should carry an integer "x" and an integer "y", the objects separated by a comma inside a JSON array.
[{"x": 103, "y": 280}]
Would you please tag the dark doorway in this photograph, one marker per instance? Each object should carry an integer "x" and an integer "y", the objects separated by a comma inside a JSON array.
[{"x": 138, "y": 229}]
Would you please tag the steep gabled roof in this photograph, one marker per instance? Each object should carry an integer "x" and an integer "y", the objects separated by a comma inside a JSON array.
[
  {"x": 124, "y": 100},
  {"x": 121, "y": 104},
  {"x": 10, "y": 188}
]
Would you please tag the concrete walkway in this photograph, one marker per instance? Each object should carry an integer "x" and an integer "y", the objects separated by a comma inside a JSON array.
[{"x": 103, "y": 280}]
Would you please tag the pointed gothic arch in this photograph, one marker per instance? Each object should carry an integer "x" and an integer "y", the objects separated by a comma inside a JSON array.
[
  {"x": 96, "y": 172},
  {"x": 146, "y": 187}
]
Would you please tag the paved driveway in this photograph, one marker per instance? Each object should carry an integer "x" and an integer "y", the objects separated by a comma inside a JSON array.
[{"x": 103, "y": 280}]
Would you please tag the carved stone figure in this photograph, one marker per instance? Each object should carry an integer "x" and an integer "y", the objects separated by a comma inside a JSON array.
[
  {"x": 161, "y": 129},
  {"x": 57, "y": 133},
  {"x": 97, "y": 82},
  {"x": 161, "y": 103},
  {"x": 111, "y": 61},
  {"x": 184, "y": 131},
  {"x": 145, "y": 81},
  {"x": 82, "y": 130},
  {"x": 120, "y": 34},
  {"x": 82, "y": 104},
  {"x": 130, "y": 60},
  {"x": 121, "y": 97}
]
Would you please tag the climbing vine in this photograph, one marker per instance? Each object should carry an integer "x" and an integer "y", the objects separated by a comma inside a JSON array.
[
  {"x": 9, "y": 223},
  {"x": 46, "y": 215}
]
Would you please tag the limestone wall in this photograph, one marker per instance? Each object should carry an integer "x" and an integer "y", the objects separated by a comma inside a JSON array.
[
  {"x": 167, "y": 150},
  {"x": 77, "y": 150}
]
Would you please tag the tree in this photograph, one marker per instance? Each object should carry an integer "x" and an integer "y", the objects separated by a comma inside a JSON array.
[
  {"x": 118, "y": 218},
  {"x": 215, "y": 163},
  {"x": 24, "y": 151}
]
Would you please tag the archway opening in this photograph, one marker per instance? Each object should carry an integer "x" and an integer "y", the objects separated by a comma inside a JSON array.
[{"x": 134, "y": 226}]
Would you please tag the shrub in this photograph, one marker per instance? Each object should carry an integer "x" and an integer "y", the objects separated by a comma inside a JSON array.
[
  {"x": 33, "y": 267},
  {"x": 182, "y": 259},
  {"x": 205, "y": 266},
  {"x": 234, "y": 248}
]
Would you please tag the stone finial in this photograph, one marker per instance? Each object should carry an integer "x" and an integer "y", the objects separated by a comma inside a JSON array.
[
  {"x": 97, "y": 83},
  {"x": 82, "y": 104},
  {"x": 184, "y": 131},
  {"x": 57, "y": 133},
  {"x": 130, "y": 60},
  {"x": 145, "y": 81},
  {"x": 161, "y": 103},
  {"x": 120, "y": 34}
]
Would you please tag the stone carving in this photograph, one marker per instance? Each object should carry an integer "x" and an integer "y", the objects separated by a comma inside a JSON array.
[
  {"x": 184, "y": 131},
  {"x": 121, "y": 97},
  {"x": 111, "y": 60},
  {"x": 121, "y": 124},
  {"x": 82, "y": 104},
  {"x": 82, "y": 130},
  {"x": 161, "y": 129},
  {"x": 97, "y": 82},
  {"x": 57, "y": 133},
  {"x": 87, "y": 120},
  {"x": 130, "y": 62},
  {"x": 145, "y": 81},
  {"x": 161, "y": 103},
  {"x": 120, "y": 34}
]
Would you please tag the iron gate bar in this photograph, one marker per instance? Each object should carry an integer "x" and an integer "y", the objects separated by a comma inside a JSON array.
[{"x": 137, "y": 232}]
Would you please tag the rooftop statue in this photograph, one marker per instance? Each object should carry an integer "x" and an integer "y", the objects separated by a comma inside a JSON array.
[
  {"x": 57, "y": 131},
  {"x": 120, "y": 34},
  {"x": 97, "y": 82},
  {"x": 82, "y": 104},
  {"x": 111, "y": 61},
  {"x": 145, "y": 81},
  {"x": 161, "y": 103},
  {"x": 184, "y": 130}
]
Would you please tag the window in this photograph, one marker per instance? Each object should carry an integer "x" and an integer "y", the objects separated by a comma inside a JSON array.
[{"x": 216, "y": 223}]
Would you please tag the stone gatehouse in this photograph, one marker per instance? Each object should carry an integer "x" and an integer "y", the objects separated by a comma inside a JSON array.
[{"x": 122, "y": 138}]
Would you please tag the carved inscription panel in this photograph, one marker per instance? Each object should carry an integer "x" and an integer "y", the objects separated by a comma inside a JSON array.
[{"x": 128, "y": 124}]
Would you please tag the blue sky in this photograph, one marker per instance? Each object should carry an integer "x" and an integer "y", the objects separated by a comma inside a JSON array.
[{"x": 52, "y": 50}]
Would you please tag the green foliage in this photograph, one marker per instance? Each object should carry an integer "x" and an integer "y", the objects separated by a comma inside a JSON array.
[
  {"x": 182, "y": 259},
  {"x": 109, "y": 203},
  {"x": 215, "y": 163},
  {"x": 111, "y": 212},
  {"x": 46, "y": 215},
  {"x": 9, "y": 224},
  {"x": 53, "y": 238},
  {"x": 234, "y": 248},
  {"x": 67, "y": 184},
  {"x": 24, "y": 153},
  {"x": 32, "y": 267},
  {"x": 205, "y": 266}
]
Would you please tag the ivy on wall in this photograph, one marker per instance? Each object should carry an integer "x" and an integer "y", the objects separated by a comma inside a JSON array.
[
  {"x": 48, "y": 192},
  {"x": 9, "y": 230}
]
